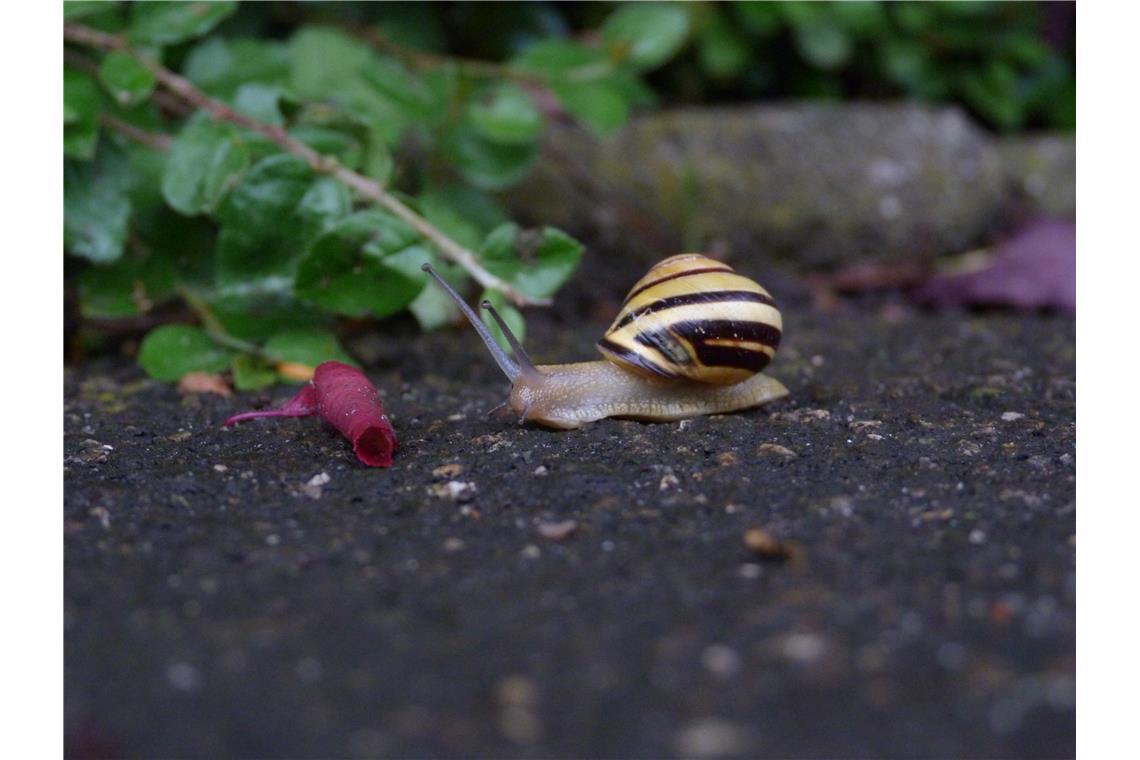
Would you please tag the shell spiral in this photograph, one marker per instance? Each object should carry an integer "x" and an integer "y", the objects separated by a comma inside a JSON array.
[{"x": 695, "y": 318}]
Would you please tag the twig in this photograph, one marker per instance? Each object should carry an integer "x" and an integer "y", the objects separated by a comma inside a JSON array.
[
  {"x": 214, "y": 327},
  {"x": 154, "y": 140},
  {"x": 187, "y": 91}
]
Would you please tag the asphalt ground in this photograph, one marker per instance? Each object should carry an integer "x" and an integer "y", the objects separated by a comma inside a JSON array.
[{"x": 509, "y": 591}]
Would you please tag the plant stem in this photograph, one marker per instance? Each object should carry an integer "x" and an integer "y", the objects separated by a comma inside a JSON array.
[
  {"x": 186, "y": 90},
  {"x": 214, "y": 327}
]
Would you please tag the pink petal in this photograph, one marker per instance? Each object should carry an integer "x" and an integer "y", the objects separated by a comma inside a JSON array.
[
  {"x": 351, "y": 404},
  {"x": 344, "y": 398},
  {"x": 1035, "y": 268}
]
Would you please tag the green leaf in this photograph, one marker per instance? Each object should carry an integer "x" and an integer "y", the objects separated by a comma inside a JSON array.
[
  {"x": 271, "y": 217},
  {"x": 993, "y": 92},
  {"x": 646, "y": 35},
  {"x": 724, "y": 51},
  {"x": 555, "y": 57},
  {"x": 221, "y": 66},
  {"x": 537, "y": 262},
  {"x": 80, "y": 114},
  {"x": 823, "y": 44},
  {"x": 132, "y": 285},
  {"x": 96, "y": 205},
  {"x": 252, "y": 373},
  {"x": 489, "y": 165},
  {"x": 601, "y": 105},
  {"x": 463, "y": 213},
  {"x": 506, "y": 114},
  {"x": 168, "y": 23},
  {"x": 171, "y": 351},
  {"x": 127, "y": 80},
  {"x": 309, "y": 347},
  {"x": 207, "y": 159},
  {"x": 323, "y": 60},
  {"x": 261, "y": 102},
  {"x": 73, "y": 10},
  {"x": 368, "y": 263},
  {"x": 260, "y": 308},
  {"x": 512, "y": 316},
  {"x": 347, "y": 149}
]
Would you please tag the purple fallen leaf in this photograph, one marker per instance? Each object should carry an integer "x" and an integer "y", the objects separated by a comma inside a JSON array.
[
  {"x": 1036, "y": 268},
  {"x": 345, "y": 399}
]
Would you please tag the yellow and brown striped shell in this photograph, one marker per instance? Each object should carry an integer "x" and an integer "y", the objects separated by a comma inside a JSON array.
[{"x": 693, "y": 317}]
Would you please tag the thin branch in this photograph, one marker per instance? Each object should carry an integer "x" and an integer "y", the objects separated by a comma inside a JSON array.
[
  {"x": 159, "y": 142},
  {"x": 187, "y": 91},
  {"x": 214, "y": 327}
]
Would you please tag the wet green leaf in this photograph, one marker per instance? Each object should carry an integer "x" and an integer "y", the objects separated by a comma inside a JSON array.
[
  {"x": 207, "y": 159},
  {"x": 506, "y": 114},
  {"x": 132, "y": 285},
  {"x": 270, "y": 218},
  {"x": 96, "y": 205},
  {"x": 489, "y": 165},
  {"x": 366, "y": 264},
  {"x": 646, "y": 35},
  {"x": 723, "y": 50},
  {"x": 309, "y": 347},
  {"x": 168, "y": 23},
  {"x": 463, "y": 213},
  {"x": 127, "y": 80},
  {"x": 537, "y": 262},
  {"x": 601, "y": 105},
  {"x": 221, "y": 66},
  {"x": 261, "y": 102},
  {"x": 171, "y": 351},
  {"x": 252, "y": 373},
  {"x": 344, "y": 147},
  {"x": 80, "y": 114},
  {"x": 323, "y": 60},
  {"x": 823, "y": 43}
]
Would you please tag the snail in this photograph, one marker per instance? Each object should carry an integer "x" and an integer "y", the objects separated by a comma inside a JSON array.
[{"x": 690, "y": 339}]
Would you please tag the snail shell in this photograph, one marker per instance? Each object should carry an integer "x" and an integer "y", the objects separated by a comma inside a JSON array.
[{"x": 693, "y": 317}]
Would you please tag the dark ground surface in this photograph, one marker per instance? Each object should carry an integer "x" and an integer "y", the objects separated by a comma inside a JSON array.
[{"x": 216, "y": 607}]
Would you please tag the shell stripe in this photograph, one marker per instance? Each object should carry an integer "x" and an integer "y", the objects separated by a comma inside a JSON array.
[
  {"x": 687, "y": 299},
  {"x": 639, "y": 358},
  {"x": 674, "y": 276},
  {"x": 712, "y": 351}
]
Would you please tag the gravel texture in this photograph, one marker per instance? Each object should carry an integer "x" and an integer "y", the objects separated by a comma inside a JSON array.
[{"x": 880, "y": 566}]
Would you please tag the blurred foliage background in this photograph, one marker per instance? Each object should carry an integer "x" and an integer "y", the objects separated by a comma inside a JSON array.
[{"x": 238, "y": 255}]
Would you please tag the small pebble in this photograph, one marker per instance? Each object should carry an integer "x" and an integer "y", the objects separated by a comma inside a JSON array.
[
  {"x": 1011, "y": 416},
  {"x": 721, "y": 661},
  {"x": 312, "y": 489},
  {"x": 452, "y": 545},
  {"x": 530, "y": 551},
  {"x": 220, "y": 468},
  {"x": 763, "y": 544},
  {"x": 450, "y": 471},
  {"x": 540, "y": 470},
  {"x": 455, "y": 490},
  {"x": 557, "y": 531},
  {"x": 977, "y": 536},
  {"x": 775, "y": 449},
  {"x": 803, "y": 648},
  {"x": 183, "y": 677},
  {"x": 669, "y": 480},
  {"x": 711, "y": 737}
]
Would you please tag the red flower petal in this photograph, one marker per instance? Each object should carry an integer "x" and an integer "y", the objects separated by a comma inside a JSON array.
[{"x": 345, "y": 399}]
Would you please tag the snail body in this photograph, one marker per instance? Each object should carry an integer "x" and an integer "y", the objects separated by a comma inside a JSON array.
[{"x": 691, "y": 339}]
